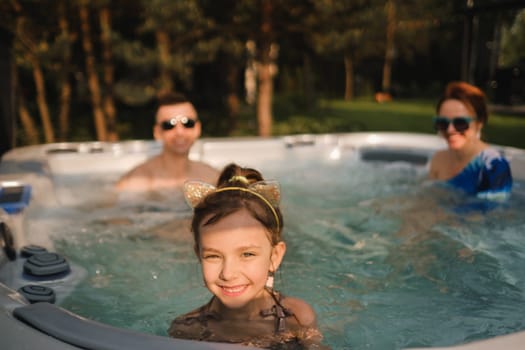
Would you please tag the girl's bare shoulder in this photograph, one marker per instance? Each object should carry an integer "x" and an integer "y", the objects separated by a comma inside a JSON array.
[
  {"x": 187, "y": 326},
  {"x": 302, "y": 311}
]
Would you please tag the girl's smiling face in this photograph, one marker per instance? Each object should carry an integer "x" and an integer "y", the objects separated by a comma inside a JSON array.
[{"x": 236, "y": 256}]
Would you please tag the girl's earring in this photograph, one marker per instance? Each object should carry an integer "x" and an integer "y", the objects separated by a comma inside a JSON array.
[{"x": 269, "y": 280}]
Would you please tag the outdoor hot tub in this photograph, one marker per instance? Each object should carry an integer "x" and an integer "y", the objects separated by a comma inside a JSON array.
[{"x": 388, "y": 259}]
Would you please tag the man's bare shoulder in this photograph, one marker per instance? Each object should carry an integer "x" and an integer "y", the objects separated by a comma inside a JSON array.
[
  {"x": 139, "y": 178},
  {"x": 203, "y": 172}
]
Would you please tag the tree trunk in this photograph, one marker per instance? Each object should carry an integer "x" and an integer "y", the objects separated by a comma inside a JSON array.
[
  {"x": 163, "y": 43},
  {"x": 265, "y": 71},
  {"x": 233, "y": 102},
  {"x": 264, "y": 100},
  {"x": 93, "y": 82},
  {"x": 65, "y": 84},
  {"x": 38, "y": 76},
  {"x": 28, "y": 125},
  {"x": 65, "y": 107},
  {"x": 109, "y": 103},
  {"x": 41, "y": 100},
  {"x": 349, "y": 76},
  {"x": 308, "y": 80},
  {"x": 389, "y": 52}
]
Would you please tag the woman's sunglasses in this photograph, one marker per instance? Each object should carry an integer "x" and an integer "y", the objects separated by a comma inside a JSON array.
[
  {"x": 186, "y": 122},
  {"x": 460, "y": 123}
]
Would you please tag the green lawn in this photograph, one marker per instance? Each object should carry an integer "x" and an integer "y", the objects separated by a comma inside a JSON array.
[{"x": 367, "y": 115}]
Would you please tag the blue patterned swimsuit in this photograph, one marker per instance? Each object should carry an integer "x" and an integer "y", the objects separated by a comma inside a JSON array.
[{"x": 487, "y": 176}]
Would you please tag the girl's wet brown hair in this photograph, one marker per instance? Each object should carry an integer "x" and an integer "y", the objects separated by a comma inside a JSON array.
[
  {"x": 218, "y": 205},
  {"x": 471, "y": 96}
]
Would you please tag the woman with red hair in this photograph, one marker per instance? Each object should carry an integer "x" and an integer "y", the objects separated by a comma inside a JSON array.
[{"x": 468, "y": 163}]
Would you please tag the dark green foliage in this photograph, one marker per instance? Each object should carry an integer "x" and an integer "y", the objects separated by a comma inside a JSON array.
[{"x": 208, "y": 56}]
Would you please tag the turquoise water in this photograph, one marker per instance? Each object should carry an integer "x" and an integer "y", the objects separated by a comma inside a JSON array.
[{"x": 387, "y": 260}]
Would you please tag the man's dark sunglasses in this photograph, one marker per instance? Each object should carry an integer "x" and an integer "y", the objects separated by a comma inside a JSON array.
[
  {"x": 460, "y": 123},
  {"x": 186, "y": 122}
]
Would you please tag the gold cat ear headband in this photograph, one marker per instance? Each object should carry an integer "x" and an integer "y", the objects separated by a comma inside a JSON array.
[{"x": 268, "y": 191}]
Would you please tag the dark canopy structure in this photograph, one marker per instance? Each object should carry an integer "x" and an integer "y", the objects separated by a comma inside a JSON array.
[
  {"x": 7, "y": 93},
  {"x": 472, "y": 10}
]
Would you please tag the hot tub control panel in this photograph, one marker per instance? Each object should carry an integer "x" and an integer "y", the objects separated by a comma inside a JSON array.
[{"x": 14, "y": 196}]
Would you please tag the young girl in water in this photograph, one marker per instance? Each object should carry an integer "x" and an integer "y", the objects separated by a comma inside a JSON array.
[
  {"x": 468, "y": 163},
  {"x": 237, "y": 235}
]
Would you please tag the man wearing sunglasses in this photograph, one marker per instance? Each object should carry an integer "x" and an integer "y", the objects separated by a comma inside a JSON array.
[
  {"x": 177, "y": 127},
  {"x": 468, "y": 163}
]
